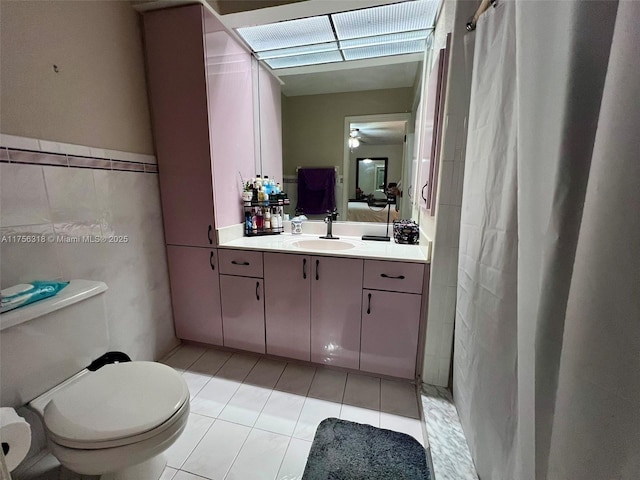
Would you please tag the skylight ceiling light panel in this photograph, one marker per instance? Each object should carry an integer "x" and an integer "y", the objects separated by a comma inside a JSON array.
[
  {"x": 384, "y": 50},
  {"x": 394, "y": 18},
  {"x": 306, "y": 49},
  {"x": 292, "y": 33},
  {"x": 382, "y": 39},
  {"x": 303, "y": 60}
]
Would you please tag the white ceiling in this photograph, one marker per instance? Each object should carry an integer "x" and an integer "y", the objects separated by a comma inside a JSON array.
[
  {"x": 381, "y": 133},
  {"x": 373, "y": 74},
  {"x": 350, "y": 80}
]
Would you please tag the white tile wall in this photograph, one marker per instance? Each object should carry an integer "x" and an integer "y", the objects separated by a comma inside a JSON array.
[{"x": 74, "y": 202}]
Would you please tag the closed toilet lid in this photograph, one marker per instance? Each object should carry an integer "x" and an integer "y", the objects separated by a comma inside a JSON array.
[{"x": 117, "y": 401}]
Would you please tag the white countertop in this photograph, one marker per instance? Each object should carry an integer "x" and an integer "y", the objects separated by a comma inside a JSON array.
[{"x": 362, "y": 249}]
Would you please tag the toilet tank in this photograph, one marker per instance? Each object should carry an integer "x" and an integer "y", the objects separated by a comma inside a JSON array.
[{"x": 44, "y": 343}]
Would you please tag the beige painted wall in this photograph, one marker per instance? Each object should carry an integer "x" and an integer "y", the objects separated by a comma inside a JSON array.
[
  {"x": 312, "y": 125},
  {"x": 98, "y": 98}
]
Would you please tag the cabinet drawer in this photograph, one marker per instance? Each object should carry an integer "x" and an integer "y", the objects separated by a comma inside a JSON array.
[
  {"x": 246, "y": 263},
  {"x": 393, "y": 276}
]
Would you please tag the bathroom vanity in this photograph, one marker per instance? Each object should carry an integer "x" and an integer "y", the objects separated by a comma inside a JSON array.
[{"x": 345, "y": 303}]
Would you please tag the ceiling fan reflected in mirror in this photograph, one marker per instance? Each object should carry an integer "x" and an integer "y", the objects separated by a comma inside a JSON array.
[{"x": 354, "y": 138}]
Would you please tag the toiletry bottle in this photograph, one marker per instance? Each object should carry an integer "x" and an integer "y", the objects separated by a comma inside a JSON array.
[
  {"x": 278, "y": 218},
  {"x": 247, "y": 223},
  {"x": 254, "y": 221},
  {"x": 267, "y": 220},
  {"x": 266, "y": 184},
  {"x": 260, "y": 220}
]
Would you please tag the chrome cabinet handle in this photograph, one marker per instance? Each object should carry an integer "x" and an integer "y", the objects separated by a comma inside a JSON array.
[
  {"x": 240, "y": 263},
  {"x": 209, "y": 235},
  {"x": 369, "y": 306},
  {"x": 213, "y": 267},
  {"x": 317, "y": 269},
  {"x": 258, "y": 291},
  {"x": 422, "y": 192},
  {"x": 304, "y": 268},
  {"x": 399, "y": 277}
]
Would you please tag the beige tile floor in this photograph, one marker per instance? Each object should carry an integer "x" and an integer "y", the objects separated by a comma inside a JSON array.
[{"x": 255, "y": 418}]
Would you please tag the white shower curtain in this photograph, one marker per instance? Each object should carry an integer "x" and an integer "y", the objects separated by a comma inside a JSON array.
[{"x": 547, "y": 349}]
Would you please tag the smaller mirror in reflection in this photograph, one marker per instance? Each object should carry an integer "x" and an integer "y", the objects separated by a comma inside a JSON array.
[{"x": 371, "y": 178}]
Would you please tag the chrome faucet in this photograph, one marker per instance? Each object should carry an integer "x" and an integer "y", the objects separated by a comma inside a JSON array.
[{"x": 330, "y": 218}]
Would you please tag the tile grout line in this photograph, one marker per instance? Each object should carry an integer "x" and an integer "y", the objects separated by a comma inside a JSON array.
[
  {"x": 196, "y": 445},
  {"x": 283, "y": 457},
  {"x": 271, "y": 393}
]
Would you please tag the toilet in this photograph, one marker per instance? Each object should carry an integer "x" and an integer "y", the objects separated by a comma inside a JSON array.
[{"x": 113, "y": 418}]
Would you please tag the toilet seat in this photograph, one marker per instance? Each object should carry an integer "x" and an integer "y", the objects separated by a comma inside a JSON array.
[{"x": 119, "y": 404}]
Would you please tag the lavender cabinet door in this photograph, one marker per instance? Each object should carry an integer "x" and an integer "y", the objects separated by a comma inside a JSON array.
[
  {"x": 390, "y": 322},
  {"x": 336, "y": 292},
  {"x": 175, "y": 60},
  {"x": 243, "y": 312},
  {"x": 195, "y": 293},
  {"x": 288, "y": 305},
  {"x": 231, "y": 126}
]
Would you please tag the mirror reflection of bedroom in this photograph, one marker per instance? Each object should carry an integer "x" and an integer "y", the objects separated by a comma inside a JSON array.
[{"x": 376, "y": 159}]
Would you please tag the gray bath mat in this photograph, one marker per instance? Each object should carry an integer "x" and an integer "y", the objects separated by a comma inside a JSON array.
[{"x": 344, "y": 450}]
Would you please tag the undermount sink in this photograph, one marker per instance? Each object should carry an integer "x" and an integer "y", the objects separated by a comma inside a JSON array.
[{"x": 321, "y": 244}]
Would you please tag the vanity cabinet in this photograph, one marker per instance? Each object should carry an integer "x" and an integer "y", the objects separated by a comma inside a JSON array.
[
  {"x": 336, "y": 290},
  {"x": 177, "y": 84},
  {"x": 390, "y": 323},
  {"x": 288, "y": 305},
  {"x": 243, "y": 312},
  {"x": 201, "y": 101},
  {"x": 391, "y": 306},
  {"x": 195, "y": 293},
  {"x": 242, "y": 293}
]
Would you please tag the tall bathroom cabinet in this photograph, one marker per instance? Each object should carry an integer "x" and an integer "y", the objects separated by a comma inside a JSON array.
[{"x": 204, "y": 91}]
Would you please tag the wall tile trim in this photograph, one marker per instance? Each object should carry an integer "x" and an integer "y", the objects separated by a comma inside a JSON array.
[
  {"x": 61, "y": 160},
  {"x": 69, "y": 149}
]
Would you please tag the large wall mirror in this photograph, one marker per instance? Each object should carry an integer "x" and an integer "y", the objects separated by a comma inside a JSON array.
[{"x": 345, "y": 88}]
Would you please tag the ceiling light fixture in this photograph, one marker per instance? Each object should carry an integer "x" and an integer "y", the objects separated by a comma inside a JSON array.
[{"x": 393, "y": 29}]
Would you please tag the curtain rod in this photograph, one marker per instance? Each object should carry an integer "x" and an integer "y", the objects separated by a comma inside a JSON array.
[{"x": 471, "y": 24}]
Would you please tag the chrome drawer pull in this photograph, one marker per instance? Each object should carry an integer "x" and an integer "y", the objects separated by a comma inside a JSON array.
[
  {"x": 399, "y": 277},
  {"x": 239, "y": 263}
]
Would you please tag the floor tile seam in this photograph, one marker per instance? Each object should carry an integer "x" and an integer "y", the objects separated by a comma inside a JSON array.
[
  {"x": 210, "y": 375},
  {"x": 191, "y": 473},
  {"x": 238, "y": 452},
  {"x": 267, "y": 401},
  {"x": 315, "y": 372},
  {"x": 233, "y": 379},
  {"x": 198, "y": 443},
  {"x": 279, "y": 376},
  {"x": 198, "y": 358},
  {"x": 204, "y": 385},
  {"x": 283, "y": 457}
]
